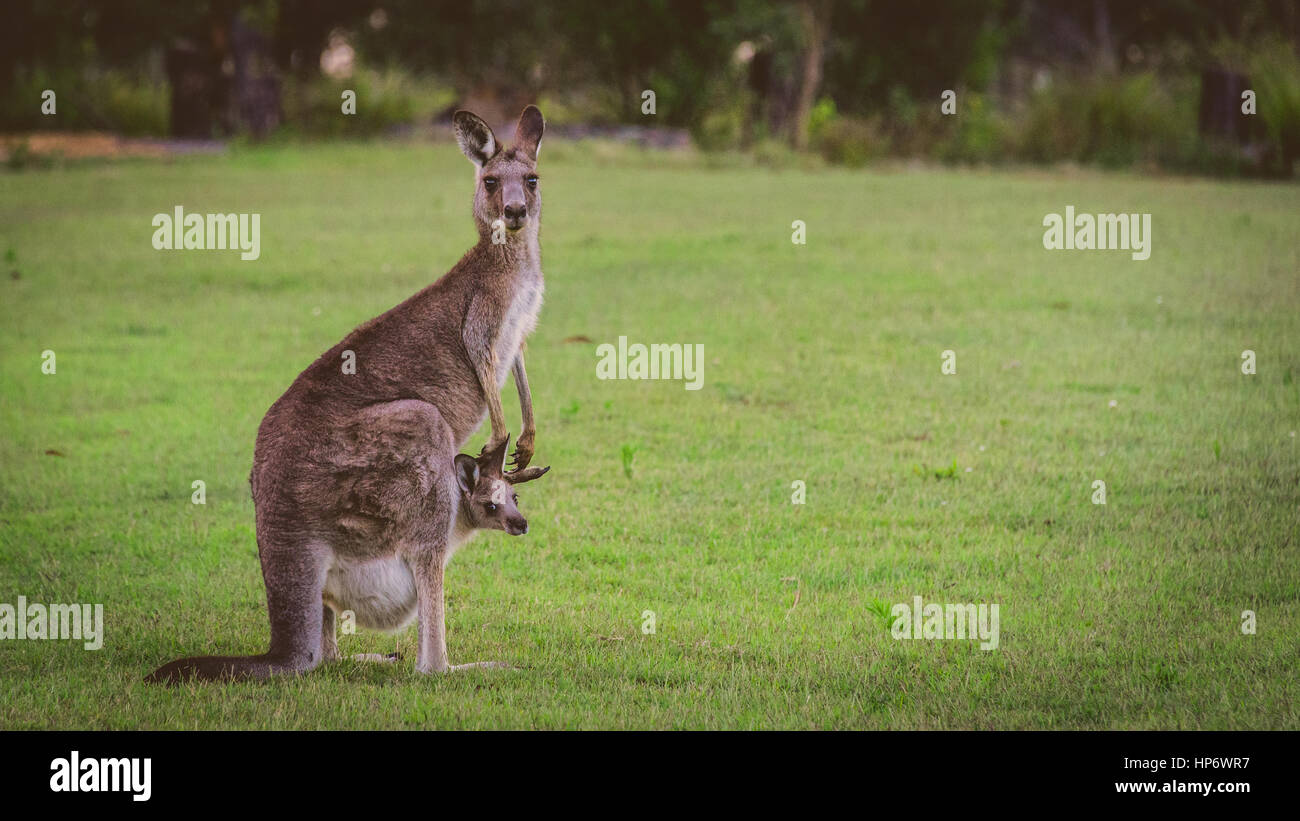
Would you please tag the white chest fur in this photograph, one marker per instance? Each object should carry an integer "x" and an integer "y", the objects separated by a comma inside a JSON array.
[
  {"x": 381, "y": 593},
  {"x": 520, "y": 320}
]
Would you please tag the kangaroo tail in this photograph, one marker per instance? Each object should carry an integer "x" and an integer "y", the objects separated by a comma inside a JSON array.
[{"x": 219, "y": 668}]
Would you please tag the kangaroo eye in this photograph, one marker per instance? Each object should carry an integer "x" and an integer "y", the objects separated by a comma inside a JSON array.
[
  {"x": 515, "y": 498},
  {"x": 491, "y": 508},
  {"x": 490, "y": 183},
  {"x": 532, "y": 182}
]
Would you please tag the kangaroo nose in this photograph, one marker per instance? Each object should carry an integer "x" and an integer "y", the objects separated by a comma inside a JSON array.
[
  {"x": 516, "y": 211},
  {"x": 518, "y": 527}
]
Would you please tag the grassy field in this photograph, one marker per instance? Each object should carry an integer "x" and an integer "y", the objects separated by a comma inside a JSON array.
[{"x": 822, "y": 365}]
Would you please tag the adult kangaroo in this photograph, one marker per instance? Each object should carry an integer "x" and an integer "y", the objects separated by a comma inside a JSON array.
[{"x": 355, "y": 479}]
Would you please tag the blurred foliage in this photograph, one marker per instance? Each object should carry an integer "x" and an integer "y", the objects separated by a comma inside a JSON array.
[
  {"x": 1112, "y": 121},
  {"x": 386, "y": 101},
  {"x": 87, "y": 99},
  {"x": 1108, "y": 82},
  {"x": 880, "y": 50},
  {"x": 1275, "y": 70}
]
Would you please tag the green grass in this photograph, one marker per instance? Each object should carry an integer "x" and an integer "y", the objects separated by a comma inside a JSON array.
[{"x": 822, "y": 365}]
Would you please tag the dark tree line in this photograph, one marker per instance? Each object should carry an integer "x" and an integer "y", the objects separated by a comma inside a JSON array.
[{"x": 225, "y": 57}]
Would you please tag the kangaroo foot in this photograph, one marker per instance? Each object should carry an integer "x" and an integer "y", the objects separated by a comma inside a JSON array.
[
  {"x": 481, "y": 665},
  {"x": 386, "y": 658}
]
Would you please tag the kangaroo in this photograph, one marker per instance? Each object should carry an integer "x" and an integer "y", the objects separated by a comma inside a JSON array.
[
  {"x": 355, "y": 476},
  {"x": 381, "y": 592}
]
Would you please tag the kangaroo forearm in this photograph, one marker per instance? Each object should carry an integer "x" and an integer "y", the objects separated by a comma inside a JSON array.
[
  {"x": 487, "y": 377},
  {"x": 525, "y": 395}
]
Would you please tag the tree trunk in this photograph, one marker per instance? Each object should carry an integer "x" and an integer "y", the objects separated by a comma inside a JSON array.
[
  {"x": 1107, "y": 60},
  {"x": 193, "y": 81},
  {"x": 815, "y": 17},
  {"x": 1220, "y": 110},
  {"x": 255, "y": 83}
]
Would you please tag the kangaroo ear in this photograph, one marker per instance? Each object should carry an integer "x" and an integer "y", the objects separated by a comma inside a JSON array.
[
  {"x": 466, "y": 472},
  {"x": 474, "y": 137},
  {"x": 528, "y": 134}
]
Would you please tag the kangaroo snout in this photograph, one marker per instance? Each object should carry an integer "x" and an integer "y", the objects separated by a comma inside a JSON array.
[
  {"x": 516, "y": 213},
  {"x": 517, "y": 526}
]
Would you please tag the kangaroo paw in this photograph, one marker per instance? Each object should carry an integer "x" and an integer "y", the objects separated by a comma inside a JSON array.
[{"x": 521, "y": 455}]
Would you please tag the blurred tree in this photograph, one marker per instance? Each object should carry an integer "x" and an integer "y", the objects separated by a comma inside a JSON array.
[
  {"x": 879, "y": 50},
  {"x": 814, "y": 27},
  {"x": 501, "y": 54}
]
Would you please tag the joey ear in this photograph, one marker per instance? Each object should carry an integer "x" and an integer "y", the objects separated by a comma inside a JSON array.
[
  {"x": 493, "y": 462},
  {"x": 528, "y": 134},
  {"x": 474, "y": 136},
  {"x": 466, "y": 472}
]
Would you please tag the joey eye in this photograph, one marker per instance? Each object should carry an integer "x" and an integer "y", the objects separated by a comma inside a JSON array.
[
  {"x": 490, "y": 184},
  {"x": 491, "y": 508},
  {"x": 532, "y": 181}
]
